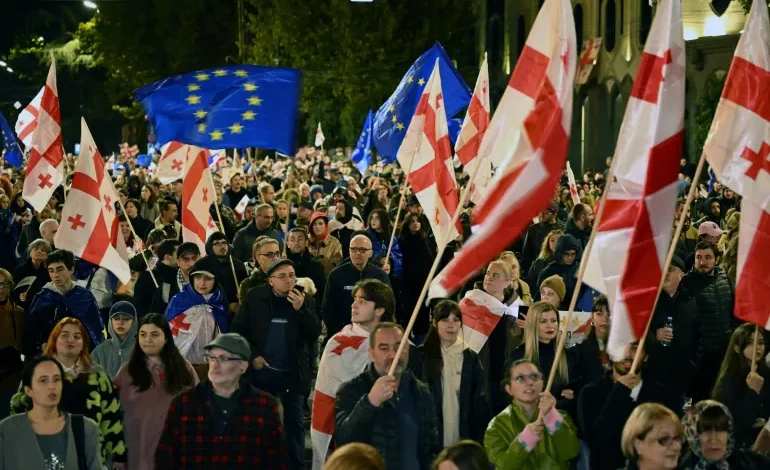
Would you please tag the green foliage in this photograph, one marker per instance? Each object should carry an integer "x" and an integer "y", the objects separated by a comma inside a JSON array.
[{"x": 705, "y": 108}]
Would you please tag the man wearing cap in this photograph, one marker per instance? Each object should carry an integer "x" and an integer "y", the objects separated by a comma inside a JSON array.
[
  {"x": 304, "y": 212},
  {"x": 186, "y": 256},
  {"x": 218, "y": 249},
  {"x": 214, "y": 425},
  {"x": 536, "y": 233},
  {"x": 263, "y": 225},
  {"x": 149, "y": 299},
  {"x": 708, "y": 232},
  {"x": 676, "y": 351},
  {"x": 280, "y": 324}
]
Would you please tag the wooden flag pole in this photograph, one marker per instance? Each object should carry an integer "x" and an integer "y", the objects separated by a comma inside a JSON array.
[
  {"x": 219, "y": 217},
  {"x": 669, "y": 257},
  {"x": 463, "y": 199}
]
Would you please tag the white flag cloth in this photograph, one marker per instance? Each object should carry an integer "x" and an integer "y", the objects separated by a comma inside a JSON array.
[
  {"x": 89, "y": 223},
  {"x": 171, "y": 164},
  {"x": 241, "y": 207},
  {"x": 471, "y": 134},
  {"x": 737, "y": 149},
  {"x": 345, "y": 356},
  {"x": 319, "y": 136},
  {"x": 632, "y": 241},
  {"x": 45, "y": 168},
  {"x": 572, "y": 185},
  {"x": 26, "y": 123},
  {"x": 481, "y": 313},
  {"x": 527, "y": 141},
  {"x": 426, "y": 157},
  {"x": 197, "y": 195},
  {"x": 192, "y": 331}
]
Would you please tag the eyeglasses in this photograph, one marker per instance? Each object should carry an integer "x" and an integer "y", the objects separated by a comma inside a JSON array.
[
  {"x": 220, "y": 243},
  {"x": 359, "y": 251},
  {"x": 285, "y": 276},
  {"x": 220, "y": 359},
  {"x": 666, "y": 441},
  {"x": 5, "y": 285},
  {"x": 533, "y": 377},
  {"x": 271, "y": 255}
]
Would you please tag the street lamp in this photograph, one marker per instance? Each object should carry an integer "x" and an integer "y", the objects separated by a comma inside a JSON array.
[
  {"x": 41, "y": 38},
  {"x": 9, "y": 69},
  {"x": 90, "y": 4},
  {"x": 2, "y": 64}
]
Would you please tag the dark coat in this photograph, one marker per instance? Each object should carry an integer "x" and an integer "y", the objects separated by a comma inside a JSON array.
[
  {"x": 253, "y": 323},
  {"x": 225, "y": 279},
  {"x": 744, "y": 403},
  {"x": 245, "y": 237},
  {"x": 337, "y": 299},
  {"x": 28, "y": 270},
  {"x": 307, "y": 266},
  {"x": 357, "y": 420},
  {"x": 475, "y": 412},
  {"x": 149, "y": 299},
  {"x": 585, "y": 363},
  {"x": 714, "y": 297},
  {"x": 533, "y": 241},
  {"x": 567, "y": 273},
  {"x": 581, "y": 236},
  {"x": 739, "y": 459},
  {"x": 419, "y": 254}
]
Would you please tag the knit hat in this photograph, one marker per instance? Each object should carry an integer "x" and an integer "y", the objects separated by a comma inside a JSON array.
[
  {"x": 123, "y": 308},
  {"x": 556, "y": 283}
]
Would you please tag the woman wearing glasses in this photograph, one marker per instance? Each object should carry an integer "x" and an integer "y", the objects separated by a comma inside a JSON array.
[
  {"x": 530, "y": 434},
  {"x": 652, "y": 438},
  {"x": 154, "y": 375},
  {"x": 198, "y": 313}
]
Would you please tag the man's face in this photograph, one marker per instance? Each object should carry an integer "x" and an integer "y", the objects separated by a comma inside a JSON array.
[
  {"x": 297, "y": 242},
  {"x": 588, "y": 216},
  {"x": 170, "y": 214},
  {"x": 235, "y": 183},
  {"x": 715, "y": 209},
  {"x": 186, "y": 261},
  {"x": 569, "y": 257},
  {"x": 269, "y": 194},
  {"x": 283, "y": 280},
  {"x": 264, "y": 218},
  {"x": 177, "y": 188},
  {"x": 360, "y": 251},
  {"x": 623, "y": 366},
  {"x": 705, "y": 261},
  {"x": 304, "y": 213},
  {"x": 60, "y": 275},
  {"x": 673, "y": 278},
  {"x": 49, "y": 232},
  {"x": 415, "y": 209},
  {"x": 339, "y": 214},
  {"x": 267, "y": 253},
  {"x": 248, "y": 213},
  {"x": 729, "y": 194},
  {"x": 220, "y": 247},
  {"x": 224, "y": 372},
  {"x": 386, "y": 343},
  {"x": 362, "y": 310}
]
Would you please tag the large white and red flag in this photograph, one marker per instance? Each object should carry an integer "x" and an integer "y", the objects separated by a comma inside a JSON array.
[
  {"x": 345, "y": 356},
  {"x": 737, "y": 150},
  {"x": 481, "y": 313},
  {"x": 573, "y": 192},
  {"x": 172, "y": 160},
  {"x": 588, "y": 55},
  {"x": 527, "y": 141},
  {"x": 45, "y": 168},
  {"x": 89, "y": 222},
  {"x": 26, "y": 123},
  {"x": 633, "y": 238},
  {"x": 197, "y": 196},
  {"x": 471, "y": 134},
  {"x": 426, "y": 154}
]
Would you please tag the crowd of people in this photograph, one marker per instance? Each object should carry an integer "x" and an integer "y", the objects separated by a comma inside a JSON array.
[{"x": 207, "y": 358}]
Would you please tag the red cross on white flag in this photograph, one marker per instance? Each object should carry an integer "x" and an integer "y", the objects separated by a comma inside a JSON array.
[
  {"x": 171, "y": 164},
  {"x": 197, "y": 196},
  {"x": 45, "y": 169},
  {"x": 737, "y": 150},
  {"x": 633, "y": 238},
  {"x": 26, "y": 123},
  {"x": 90, "y": 228},
  {"x": 588, "y": 56},
  {"x": 426, "y": 154}
]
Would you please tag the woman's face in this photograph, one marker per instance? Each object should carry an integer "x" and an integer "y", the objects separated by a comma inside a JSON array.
[
  {"x": 526, "y": 384},
  {"x": 70, "y": 342},
  {"x": 601, "y": 322},
  {"x": 550, "y": 296},
  {"x": 4, "y": 202},
  {"x": 374, "y": 223},
  {"x": 46, "y": 387},
  {"x": 495, "y": 281},
  {"x": 151, "y": 340},
  {"x": 282, "y": 209},
  {"x": 5, "y": 288},
  {"x": 125, "y": 229},
  {"x": 131, "y": 210},
  {"x": 750, "y": 348},
  {"x": 514, "y": 264},
  {"x": 448, "y": 328},
  {"x": 20, "y": 201},
  {"x": 713, "y": 445},
  {"x": 547, "y": 327},
  {"x": 382, "y": 193},
  {"x": 203, "y": 284},
  {"x": 415, "y": 225},
  {"x": 552, "y": 243},
  {"x": 661, "y": 446},
  {"x": 319, "y": 227},
  {"x": 305, "y": 192}
]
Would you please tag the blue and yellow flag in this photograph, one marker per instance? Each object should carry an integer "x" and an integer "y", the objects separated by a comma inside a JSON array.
[
  {"x": 11, "y": 150},
  {"x": 362, "y": 155},
  {"x": 228, "y": 107}
]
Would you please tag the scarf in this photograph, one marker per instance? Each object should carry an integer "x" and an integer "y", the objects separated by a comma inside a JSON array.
[{"x": 690, "y": 423}]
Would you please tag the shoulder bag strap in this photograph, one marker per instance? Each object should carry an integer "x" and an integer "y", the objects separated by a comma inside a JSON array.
[{"x": 78, "y": 433}]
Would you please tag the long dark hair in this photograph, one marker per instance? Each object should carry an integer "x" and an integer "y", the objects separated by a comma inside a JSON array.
[
  {"x": 735, "y": 363},
  {"x": 404, "y": 230},
  {"x": 29, "y": 372},
  {"x": 175, "y": 367},
  {"x": 431, "y": 347},
  {"x": 385, "y": 226}
]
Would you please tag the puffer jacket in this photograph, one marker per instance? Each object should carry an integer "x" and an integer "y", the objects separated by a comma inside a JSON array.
[
  {"x": 357, "y": 420},
  {"x": 714, "y": 297},
  {"x": 113, "y": 353},
  {"x": 257, "y": 279}
]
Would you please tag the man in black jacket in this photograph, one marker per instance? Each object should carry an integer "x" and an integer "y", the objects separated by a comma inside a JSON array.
[
  {"x": 335, "y": 309},
  {"x": 280, "y": 324},
  {"x": 304, "y": 264},
  {"x": 579, "y": 225},
  {"x": 394, "y": 414},
  {"x": 149, "y": 299},
  {"x": 218, "y": 249},
  {"x": 245, "y": 237}
]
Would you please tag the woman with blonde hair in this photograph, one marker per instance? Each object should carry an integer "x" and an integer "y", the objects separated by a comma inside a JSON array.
[
  {"x": 547, "y": 253},
  {"x": 355, "y": 456},
  {"x": 652, "y": 438}
]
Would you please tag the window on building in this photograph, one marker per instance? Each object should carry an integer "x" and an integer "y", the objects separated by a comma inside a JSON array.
[
  {"x": 645, "y": 21},
  {"x": 578, "y": 15},
  {"x": 521, "y": 34},
  {"x": 494, "y": 42},
  {"x": 610, "y": 18},
  {"x": 622, "y": 4}
]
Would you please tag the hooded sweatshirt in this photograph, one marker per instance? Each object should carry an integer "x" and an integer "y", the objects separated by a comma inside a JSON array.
[
  {"x": 113, "y": 353},
  {"x": 567, "y": 272}
]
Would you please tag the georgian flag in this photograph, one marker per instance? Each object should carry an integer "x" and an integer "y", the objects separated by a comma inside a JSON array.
[{"x": 26, "y": 123}]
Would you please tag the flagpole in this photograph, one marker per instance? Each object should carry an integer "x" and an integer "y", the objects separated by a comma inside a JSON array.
[
  {"x": 669, "y": 257},
  {"x": 128, "y": 219},
  {"x": 463, "y": 199},
  {"x": 219, "y": 217}
]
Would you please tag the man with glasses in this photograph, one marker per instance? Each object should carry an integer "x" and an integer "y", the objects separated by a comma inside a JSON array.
[
  {"x": 218, "y": 249},
  {"x": 265, "y": 251},
  {"x": 280, "y": 324},
  {"x": 221, "y": 410},
  {"x": 263, "y": 225},
  {"x": 342, "y": 279}
]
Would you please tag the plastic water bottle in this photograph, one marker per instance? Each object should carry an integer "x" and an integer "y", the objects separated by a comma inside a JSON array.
[{"x": 669, "y": 326}]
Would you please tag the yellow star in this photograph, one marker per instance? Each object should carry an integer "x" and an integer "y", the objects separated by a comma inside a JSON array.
[
  {"x": 201, "y": 128},
  {"x": 392, "y": 108},
  {"x": 193, "y": 87},
  {"x": 421, "y": 82},
  {"x": 236, "y": 128},
  {"x": 200, "y": 114},
  {"x": 248, "y": 115},
  {"x": 193, "y": 99},
  {"x": 255, "y": 100},
  {"x": 220, "y": 73},
  {"x": 249, "y": 86},
  {"x": 410, "y": 79},
  {"x": 241, "y": 73},
  {"x": 202, "y": 77},
  {"x": 394, "y": 118},
  {"x": 216, "y": 135},
  {"x": 400, "y": 126}
]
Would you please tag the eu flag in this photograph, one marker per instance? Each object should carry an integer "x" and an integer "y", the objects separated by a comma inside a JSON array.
[
  {"x": 11, "y": 149},
  {"x": 228, "y": 107},
  {"x": 362, "y": 155},
  {"x": 393, "y": 118}
]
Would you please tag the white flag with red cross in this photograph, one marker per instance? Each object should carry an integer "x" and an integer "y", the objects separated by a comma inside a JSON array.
[
  {"x": 633, "y": 238},
  {"x": 171, "y": 164},
  {"x": 737, "y": 149},
  {"x": 26, "y": 123},
  {"x": 527, "y": 141},
  {"x": 588, "y": 56},
  {"x": 45, "y": 168},
  {"x": 345, "y": 356},
  {"x": 481, "y": 314},
  {"x": 572, "y": 185},
  {"x": 426, "y": 154},
  {"x": 471, "y": 134},
  {"x": 89, "y": 222},
  {"x": 197, "y": 196}
]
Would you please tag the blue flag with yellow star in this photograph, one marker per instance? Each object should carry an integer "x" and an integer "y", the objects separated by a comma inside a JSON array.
[
  {"x": 228, "y": 107},
  {"x": 11, "y": 150},
  {"x": 393, "y": 118},
  {"x": 362, "y": 155}
]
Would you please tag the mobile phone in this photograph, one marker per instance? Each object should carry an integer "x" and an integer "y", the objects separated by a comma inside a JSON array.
[
  {"x": 523, "y": 310},
  {"x": 299, "y": 288}
]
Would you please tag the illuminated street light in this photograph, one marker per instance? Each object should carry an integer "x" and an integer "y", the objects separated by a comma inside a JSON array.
[
  {"x": 2, "y": 64},
  {"x": 9, "y": 69},
  {"x": 90, "y": 4},
  {"x": 41, "y": 38}
]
